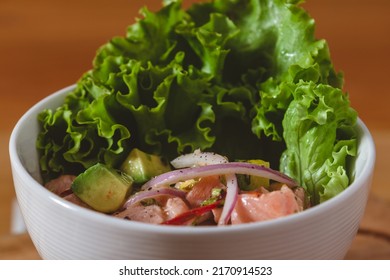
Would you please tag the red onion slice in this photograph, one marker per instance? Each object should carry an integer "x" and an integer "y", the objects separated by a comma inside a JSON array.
[
  {"x": 230, "y": 199},
  {"x": 152, "y": 193},
  {"x": 175, "y": 176},
  {"x": 198, "y": 158}
]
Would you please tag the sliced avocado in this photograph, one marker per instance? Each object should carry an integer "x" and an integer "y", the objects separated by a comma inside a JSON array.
[
  {"x": 102, "y": 188},
  {"x": 249, "y": 183},
  {"x": 142, "y": 166}
]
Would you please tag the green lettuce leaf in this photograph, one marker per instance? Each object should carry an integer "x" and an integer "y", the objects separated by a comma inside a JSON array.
[
  {"x": 317, "y": 131},
  {"x": 243, "y": 78}
]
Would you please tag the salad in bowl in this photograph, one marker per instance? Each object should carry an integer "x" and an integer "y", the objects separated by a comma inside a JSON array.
[
  {"x": 203, "y": 190},
  {"x": 224, "y": 113}
]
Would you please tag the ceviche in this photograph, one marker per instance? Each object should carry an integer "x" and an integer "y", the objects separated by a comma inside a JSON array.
[
  {"x": 202, "y": 188},
  {"x": 244, "y": 83}
]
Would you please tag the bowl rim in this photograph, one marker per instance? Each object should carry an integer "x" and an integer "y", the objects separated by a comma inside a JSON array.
[{"x": 97, "y": 217}]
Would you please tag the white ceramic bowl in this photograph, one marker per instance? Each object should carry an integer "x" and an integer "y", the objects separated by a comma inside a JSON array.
[{"x": 62, "y": 230}]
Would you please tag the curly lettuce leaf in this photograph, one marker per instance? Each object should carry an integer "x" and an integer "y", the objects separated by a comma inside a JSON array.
[
  {"x": 318, "y": 135},
  {"x": 208, "y": 41},
  {"x": 151, "y": 38},
  {"x": 244, "y": 78},
  {"x": 273, "y": 35}
]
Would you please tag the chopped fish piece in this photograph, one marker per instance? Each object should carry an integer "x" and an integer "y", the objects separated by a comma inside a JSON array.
[
  {"x": 202, "y": 190},
  {"x": 163, "y": 208},
  {"x": 61, "y": 185},
  {"x": 254, "y": 207}
]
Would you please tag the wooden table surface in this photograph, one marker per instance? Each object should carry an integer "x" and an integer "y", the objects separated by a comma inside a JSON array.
[{"x": 46, "y": 45}]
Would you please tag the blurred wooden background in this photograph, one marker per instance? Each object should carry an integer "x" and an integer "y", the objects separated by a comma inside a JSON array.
[{"x": 47, "y": 45}]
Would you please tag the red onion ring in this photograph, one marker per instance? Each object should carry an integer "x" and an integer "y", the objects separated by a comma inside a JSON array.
[
  {"x": 199, "y": 158},
  {"x": 152, "y": 193},
  {"x": 175, "y": 176},
  {"x": 230, "y": 199}
]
